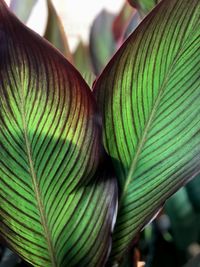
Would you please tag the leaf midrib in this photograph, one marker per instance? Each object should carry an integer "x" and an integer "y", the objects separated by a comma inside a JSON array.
[
  {"x": 35, "y": 184},
  {"x": 149, "y": 121}
]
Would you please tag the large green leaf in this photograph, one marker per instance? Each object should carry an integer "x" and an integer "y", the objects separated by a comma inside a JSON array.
[
  {"x": 55, "y": 33},
  {"x": 102, "y": 44},
  {"x": 56, "y": 205},
  {"x": 22, "y": 8},
  {"x": 149, "y": 98}
]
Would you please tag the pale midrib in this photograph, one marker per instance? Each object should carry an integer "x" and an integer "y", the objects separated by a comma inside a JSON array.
[
  {"x": 35, "y": 185},
  {"x": 141, "y": 145},
  {"x": 146, "y": 129}
]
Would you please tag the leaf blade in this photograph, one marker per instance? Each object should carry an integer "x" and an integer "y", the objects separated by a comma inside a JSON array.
[
  {"x": 50, "y": 184},
  {"x": 142, "y": 92}
]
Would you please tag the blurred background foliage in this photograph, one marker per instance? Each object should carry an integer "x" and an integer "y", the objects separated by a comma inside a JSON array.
[{"x": 173, "y": 238}]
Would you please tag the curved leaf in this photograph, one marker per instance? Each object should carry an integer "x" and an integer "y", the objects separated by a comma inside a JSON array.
[
  {"x": 102, "y": 44},
  {"x": 22, "y": 8},
  {"x": 56, "y": 208},
  {"x": 149, "y": 97},
  {"x": 55, "y": 32}
]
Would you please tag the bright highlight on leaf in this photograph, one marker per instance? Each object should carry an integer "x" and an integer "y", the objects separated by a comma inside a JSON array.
[
  {"x": 149, "y": 97},
  {"x": 57, "y": 197}
]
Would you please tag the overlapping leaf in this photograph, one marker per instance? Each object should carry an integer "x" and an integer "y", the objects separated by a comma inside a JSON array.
[
  {"x": 56, "y": 207},
  {"x": 55, "y": 32},
  {"x": 149, "y": 97}
]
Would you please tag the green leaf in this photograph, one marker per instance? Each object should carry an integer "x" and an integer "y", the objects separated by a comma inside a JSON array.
[
  {"x": 55, "y": 32},
  {"x": 193, "y": 189},
  {"x": 102, "y": 44},
  {"x": 149, "y": 99},
  {"x": 83, "y": 63},
  {"x": 183, "y": 219},
  {"x": 57, "y": 196},
  {"x": 22, "y": 8},
  {"x": 144, "y": 6}
]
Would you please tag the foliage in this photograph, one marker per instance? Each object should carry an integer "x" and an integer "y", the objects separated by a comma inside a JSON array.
[{"x": 87, "y": 162}]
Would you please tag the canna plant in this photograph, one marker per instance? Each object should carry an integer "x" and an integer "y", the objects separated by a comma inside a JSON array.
[{"x": 83, "y": 171}]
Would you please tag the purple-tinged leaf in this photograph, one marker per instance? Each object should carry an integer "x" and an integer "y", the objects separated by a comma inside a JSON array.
[{"x": 57, "y": 195}]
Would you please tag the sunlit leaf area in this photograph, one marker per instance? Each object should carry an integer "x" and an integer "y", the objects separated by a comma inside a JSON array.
[{"x": 99, "y": 133}]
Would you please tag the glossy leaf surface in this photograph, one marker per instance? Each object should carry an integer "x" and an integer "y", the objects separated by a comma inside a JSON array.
[
  {"x": 102, "y": 44},
  {"x": 22, "y": 8},
  {"x": 149, "y": 97},
  {"x": 56, "y": 207},
  {"x": 55, "y": 32}
]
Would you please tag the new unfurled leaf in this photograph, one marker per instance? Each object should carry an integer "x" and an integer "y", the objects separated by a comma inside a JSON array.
[
  {"x": 55, "y": 32},
  {"x": 57, "y": 204},
  {"x": 149, "y": 98},
  {"x": 102, "y": 44},
  {"x": 22, "y": 8}
]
